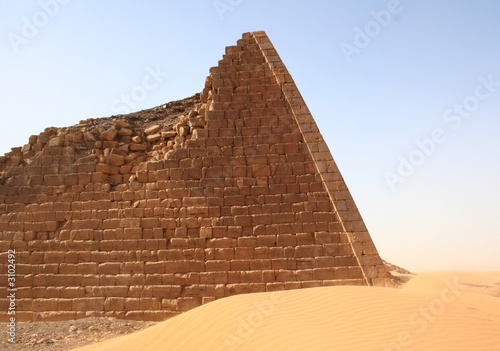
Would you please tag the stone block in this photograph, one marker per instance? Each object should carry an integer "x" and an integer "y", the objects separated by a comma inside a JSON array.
[
  {"x": 251, "y": 277},
  {"x": 224, "y": 254},
  {"x": 307, "y": 251},
  {"x": 217, "y": 266},
  {"x": 148, "y": 303},
  {"x": 88, "y": 304},
  {"x": 286, "y": 240},
  {"x": 152, "y": 129},
  {"x": 179, "y": 243},
  {"x": 266, "y": 240},
  {"x": 109, "y": 268},
  {"x": 47, "y": 304},
  {"x": 188, "y": 303},
  {"x": 116, "y": 160},
  {"x": 176, "y": 266},
  {"x": 114, "y": 304},
  {"x": 243, "y": 253},
  {"x": 130, "y": 223},
  {"x": 286, "y": 276},
  {"x": 154, "y": 137},
  {"x": 109, "y": 134}
]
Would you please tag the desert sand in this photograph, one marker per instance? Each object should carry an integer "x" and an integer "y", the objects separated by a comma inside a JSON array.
[{"x": 432, "y": 311}]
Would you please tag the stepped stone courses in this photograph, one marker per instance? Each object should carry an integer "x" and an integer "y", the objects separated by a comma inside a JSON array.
[{"x": 147, "y": 215}]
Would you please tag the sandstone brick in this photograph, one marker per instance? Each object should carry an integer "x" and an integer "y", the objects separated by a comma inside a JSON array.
[
  {"x": 308, "y": 251},
  {"x": 196, "y": 266},
  {"x": 224, "y": 254},
  {"x": 261, "y": 219},
  {"x": 169, "y": 304},
  {"x": 251, "y": 277},
  {"x": 261, "y": 253},
  {"x": 176, "y": 266},
  {"x": 40, "y": 305},
  {"x": 87, "y": 268},
  {"x": 240, "y": 265},
  {"x": 131, "y": 304},
  {"x": 240, "y": 288},
  {"x": 153, "y": 137},
  {"x": 188, "y": 303},
  {"x": 217, "y": 266},
  {"x": 179, "y": 243},
  {"x": 305, "y": 239},
  {"x": 130, "y": 222},
  {"x": 147, "y": 303},
  {"x": 152, "y": 129},
  {"x": 88, "y": 304},
  {"x": 167, "y": 291},
  {"x": 234, "y": 231},
  {"x": 138, "y": 147},
  {"x": 64, "y": 305},
  {"x": 109, "y": 134},
  {"x": 109, "y": 268},
  {"x": 51, "y": 316},
  {"x": 150, "y": 222},
  {"x": 114, "y": 304},
  {"x": 266, "y": 240},
  {"x": 344, "y": 261},
  {"x": 286, "y": 240},
  {"x": 53, "y": 257},
  {"x": 283, "y": 218},
  {"x": 154, "y": 267},
  {"x": 260, "y": 264},
  {"x": 243, "y": 253},
  {"x": 324, "y": 273},
  {"x": 353, "y": 272},
  {"x": 221, "y": 243},
  {"x": 214, "y": 278},
  {"x": 117, "y": 160},
  {"x": 243, "y": 220},
  {"x": 53, "y": 180}
]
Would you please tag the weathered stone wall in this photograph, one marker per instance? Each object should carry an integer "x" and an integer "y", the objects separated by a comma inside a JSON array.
[{"x": 241, "y": 194}]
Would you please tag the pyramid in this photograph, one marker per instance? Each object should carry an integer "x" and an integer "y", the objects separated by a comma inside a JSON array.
[{"x": 147, "y": 215}]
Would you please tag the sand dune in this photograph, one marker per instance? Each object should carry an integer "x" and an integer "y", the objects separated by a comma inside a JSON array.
[{"x": 433, "y": 311}]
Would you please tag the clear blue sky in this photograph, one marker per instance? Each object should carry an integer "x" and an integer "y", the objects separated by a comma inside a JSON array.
[{"x": 378, "y": 76}]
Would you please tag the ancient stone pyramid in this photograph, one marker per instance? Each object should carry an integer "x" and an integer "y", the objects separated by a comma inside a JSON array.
[{"x": 146, "y": 215}]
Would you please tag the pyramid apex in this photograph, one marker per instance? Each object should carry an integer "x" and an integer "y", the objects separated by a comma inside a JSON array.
[{"x": 258, "y": 33}]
